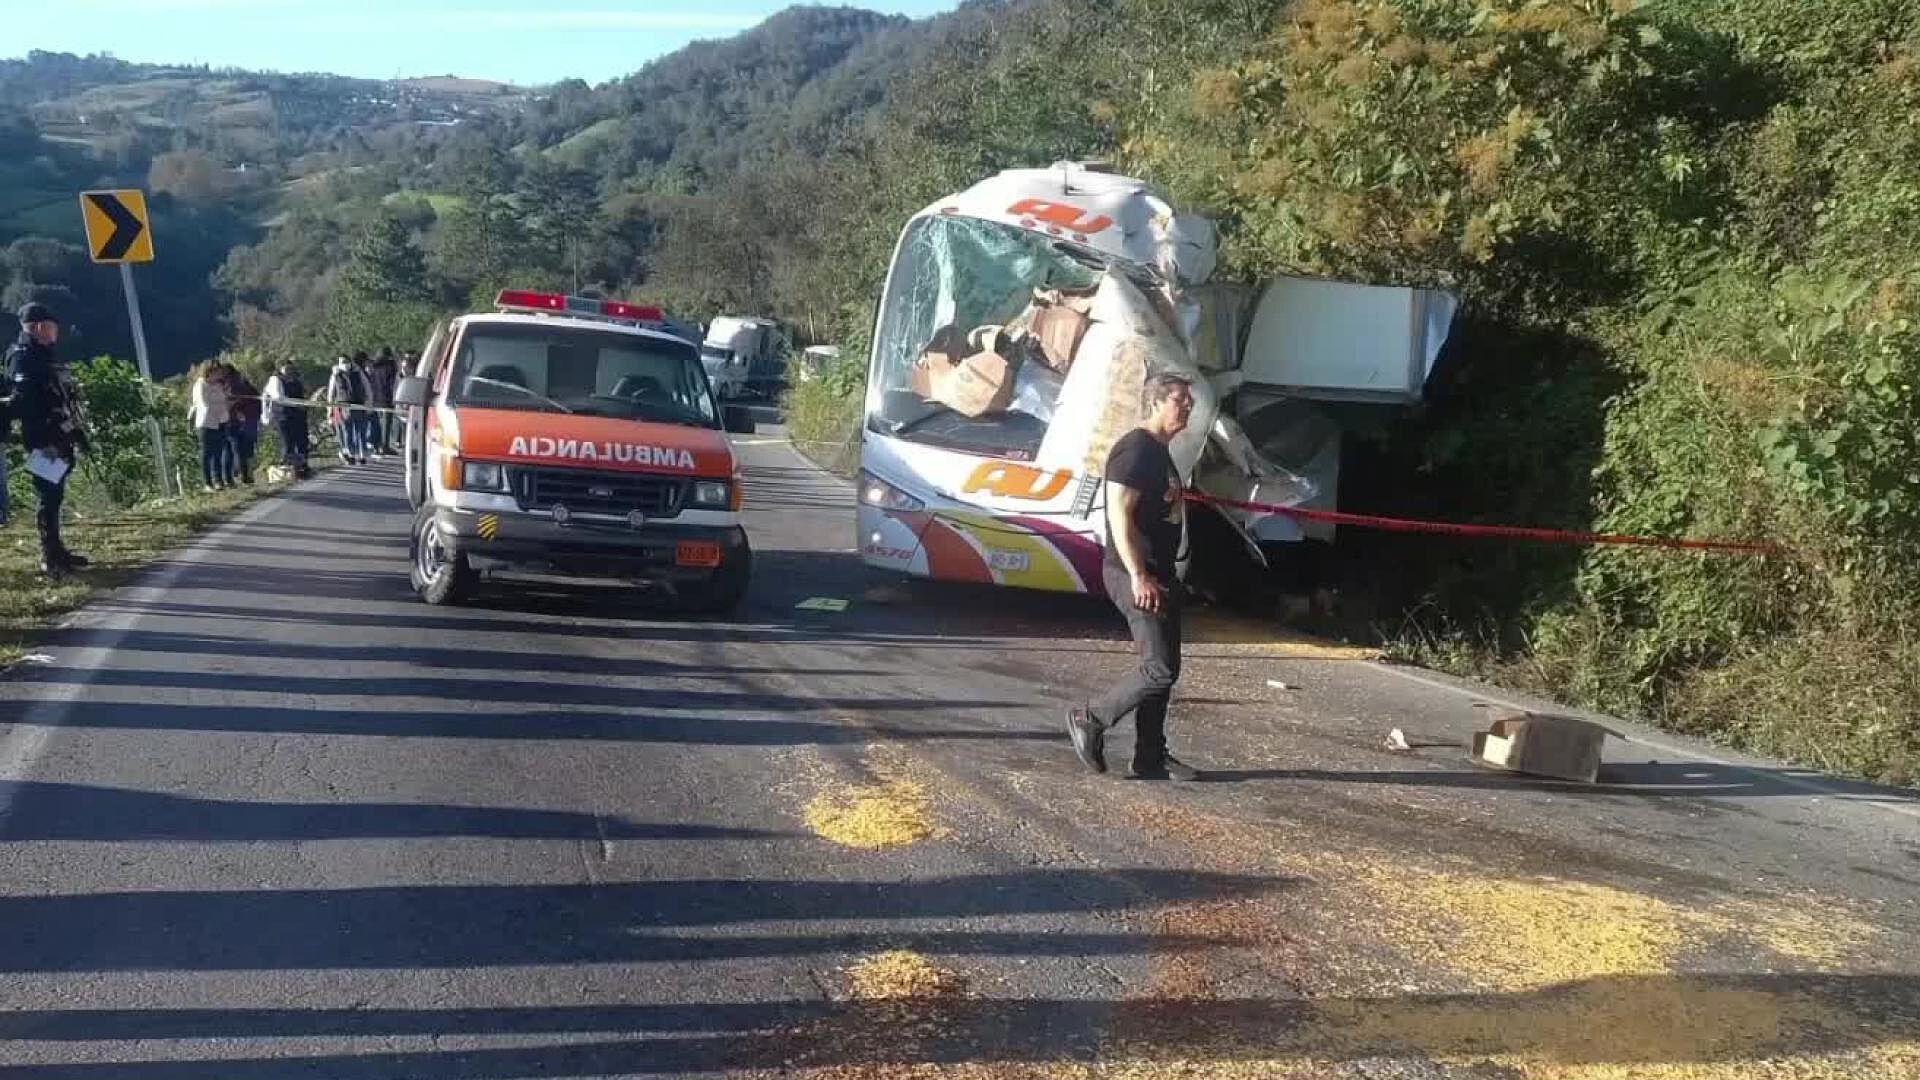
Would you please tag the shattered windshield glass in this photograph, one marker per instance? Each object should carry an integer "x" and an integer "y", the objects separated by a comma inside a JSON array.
[{"x": 977, "y": 334}]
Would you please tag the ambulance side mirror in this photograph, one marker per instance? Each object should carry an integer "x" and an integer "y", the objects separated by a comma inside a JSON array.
[
  {"x": 737, "y": 419},
  {"x": 412, "y": 392}
]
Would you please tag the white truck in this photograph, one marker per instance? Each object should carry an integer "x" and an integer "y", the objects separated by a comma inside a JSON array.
[{"x": 744, "y": 356}]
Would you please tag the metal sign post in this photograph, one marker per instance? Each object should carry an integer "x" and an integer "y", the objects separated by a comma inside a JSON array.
[
  {"x": 146, "y": 376},
  {"x": 118, "y": 232}
]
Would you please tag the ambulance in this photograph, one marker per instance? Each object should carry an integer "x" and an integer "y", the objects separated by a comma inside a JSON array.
[
  {"x": 570, "y": 439},
  {"x": 1017, "y": 325}
]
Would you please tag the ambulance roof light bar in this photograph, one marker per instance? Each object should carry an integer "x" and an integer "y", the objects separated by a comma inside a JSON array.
[{"x": 585, "y": 307}]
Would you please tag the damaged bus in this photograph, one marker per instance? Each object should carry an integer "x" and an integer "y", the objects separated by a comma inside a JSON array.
[{"x": 1018, "y": 323}]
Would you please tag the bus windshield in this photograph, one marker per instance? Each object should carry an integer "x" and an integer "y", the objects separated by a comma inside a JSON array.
[{"x": 960, "y": 279}]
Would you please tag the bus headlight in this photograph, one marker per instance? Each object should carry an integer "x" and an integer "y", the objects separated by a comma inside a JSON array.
[{"x": 878, "y": 493}]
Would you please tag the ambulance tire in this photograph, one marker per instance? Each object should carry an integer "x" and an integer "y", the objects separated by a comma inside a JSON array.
[
  {"x": 439, "y": 576},
  {"x": 721, "y": 593}
]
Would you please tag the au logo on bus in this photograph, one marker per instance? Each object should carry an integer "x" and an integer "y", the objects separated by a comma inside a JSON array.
[
  {"x": 1011, "y": 481},
  {"x": 1060, "y": 215}
]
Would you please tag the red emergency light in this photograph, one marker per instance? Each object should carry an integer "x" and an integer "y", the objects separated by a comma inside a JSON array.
[
  {"x": 522, "y": 298},
  {"x": 526, "y": 299},
  {"x": 619, "y": 310}
]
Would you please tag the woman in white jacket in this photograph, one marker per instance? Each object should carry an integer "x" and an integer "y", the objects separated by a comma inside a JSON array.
[{"x": 210, "y": 412}]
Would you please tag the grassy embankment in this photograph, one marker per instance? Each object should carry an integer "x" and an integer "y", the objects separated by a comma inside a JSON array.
[{"x": 120, "y": 543}]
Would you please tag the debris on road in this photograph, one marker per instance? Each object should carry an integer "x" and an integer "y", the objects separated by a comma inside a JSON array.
[
  {"x": 1559, "y": 747},
  {"x": 902, "y": 974},
  {"x": 1397, "y": 740},
  {"x": 821, "y": 603},
  {"x": 1278, "y": 685},
  {"x": 892, "y": 812},
  {"x": 36, "y": 658}
]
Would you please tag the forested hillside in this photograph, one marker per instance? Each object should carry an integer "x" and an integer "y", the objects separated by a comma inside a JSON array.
[
  {"x": 1687, "y": 233},
  {"x": 220, "y": 152}
]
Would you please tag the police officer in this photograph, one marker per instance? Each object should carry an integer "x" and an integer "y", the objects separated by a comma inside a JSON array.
[{"x": 46, "y": 405}]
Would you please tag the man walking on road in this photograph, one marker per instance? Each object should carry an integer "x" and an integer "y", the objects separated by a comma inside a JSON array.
[
  {"x": 1145, "y": 514},
  {"x": 46, "y": 402}
]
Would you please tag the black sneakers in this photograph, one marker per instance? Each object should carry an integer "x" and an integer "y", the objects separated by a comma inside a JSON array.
[
  {"x": 1170, "y": 768},
  {"x": 1089, "y": 742}
]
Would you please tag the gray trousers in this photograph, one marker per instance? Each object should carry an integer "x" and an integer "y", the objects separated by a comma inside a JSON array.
[{"x": 1145, "y": 692}]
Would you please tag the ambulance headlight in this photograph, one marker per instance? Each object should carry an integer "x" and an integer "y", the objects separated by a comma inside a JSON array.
[
  {"x": 483, "y": 476},
  {"x": 711, "y": 495}
]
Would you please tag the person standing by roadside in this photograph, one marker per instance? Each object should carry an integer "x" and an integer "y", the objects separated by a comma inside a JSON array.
[
  {"x": 346, "y": 392},
  {"x": 46, "y": 402},
  {"x": 1146, "y": 513},
  {"x": 285, "y": 399},
  {"x": 382, "y": 375},
  {"x": 211, "y": 412},
  {"x": 364, "y": 413},
  {"x": 243, "y": 427},
  {"x": 6, "y": 436}
]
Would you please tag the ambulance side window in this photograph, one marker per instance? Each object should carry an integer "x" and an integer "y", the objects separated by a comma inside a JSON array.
[{"x": 439, "y": 370}]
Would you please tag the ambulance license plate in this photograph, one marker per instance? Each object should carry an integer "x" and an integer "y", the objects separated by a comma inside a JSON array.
[{"x": 697, "y": 553}]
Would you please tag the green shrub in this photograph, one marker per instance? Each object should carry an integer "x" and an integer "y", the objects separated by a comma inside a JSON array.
[
  {"x": 1686, "y": 234},
  {"x": 823, "y": 414}
]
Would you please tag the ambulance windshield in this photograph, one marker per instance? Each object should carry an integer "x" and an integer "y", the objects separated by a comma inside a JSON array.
[
  {"x": 976, "y": 335},
  {"x": 555, "y": 368}
]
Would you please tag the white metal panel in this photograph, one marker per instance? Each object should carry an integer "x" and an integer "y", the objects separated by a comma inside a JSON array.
[{"x": 1334, "y": 340}]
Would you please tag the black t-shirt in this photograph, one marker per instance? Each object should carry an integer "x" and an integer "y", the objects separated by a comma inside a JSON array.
[{"x": 1141, "y": 462}]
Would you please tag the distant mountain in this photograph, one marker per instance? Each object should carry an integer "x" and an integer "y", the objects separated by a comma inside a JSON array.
[
  {"x": 125, "y": 113},
  {"x": 267, "y": 178},
  {"x": 714, "y": 104}
]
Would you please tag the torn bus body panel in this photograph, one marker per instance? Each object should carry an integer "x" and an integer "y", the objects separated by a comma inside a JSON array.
[
  {"x": 1019, "y": 321},
  {"x": 1287, "y": 355}
]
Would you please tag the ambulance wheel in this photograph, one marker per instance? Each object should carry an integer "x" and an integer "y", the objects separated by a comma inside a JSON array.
[
  {"x": 440, "y": 575},
  {"x": 722, "y": 592}
]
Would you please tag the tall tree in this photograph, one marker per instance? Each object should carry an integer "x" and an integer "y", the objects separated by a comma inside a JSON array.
[
  {"x": 479, "y": 248},
  {"x": 387, "y": 264},
  {"x": 561, "y": 205}
]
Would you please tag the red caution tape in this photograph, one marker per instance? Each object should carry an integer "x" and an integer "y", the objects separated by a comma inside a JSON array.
[{"x": 1510, "y": 532}]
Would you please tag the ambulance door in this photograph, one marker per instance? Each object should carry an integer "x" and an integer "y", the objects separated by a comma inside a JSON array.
[{"x": 420, "y": 380}]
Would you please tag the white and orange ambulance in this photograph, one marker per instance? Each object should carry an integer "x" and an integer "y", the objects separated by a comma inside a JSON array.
[{"x": 564, "y": 437}]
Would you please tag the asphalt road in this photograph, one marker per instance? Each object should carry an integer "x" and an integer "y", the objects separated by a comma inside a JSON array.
[{"x": 263, "y": 814}]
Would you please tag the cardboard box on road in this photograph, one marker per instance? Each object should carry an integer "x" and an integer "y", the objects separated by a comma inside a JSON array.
[{"x": 1556, "y": 746}]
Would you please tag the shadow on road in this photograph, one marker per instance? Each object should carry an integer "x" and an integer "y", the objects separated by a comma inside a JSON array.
[
  {"x": 438, "y": 658},
  {"x": 1626, "y": 779},
  {"x": 1709, "y": 1021},
  {"x": 562, "y": 726},
  {"x": 452, "y": 926},
  {"x": 91, "y": 812},
  {"x": 356, "y": 687}
]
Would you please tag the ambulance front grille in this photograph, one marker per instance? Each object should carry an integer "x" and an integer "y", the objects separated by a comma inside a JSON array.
[{"x": 585, "y": 492}]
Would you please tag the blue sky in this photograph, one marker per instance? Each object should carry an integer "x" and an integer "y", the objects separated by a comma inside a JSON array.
[{"x": 525, "y": 41}]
